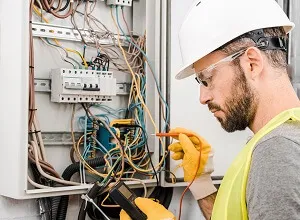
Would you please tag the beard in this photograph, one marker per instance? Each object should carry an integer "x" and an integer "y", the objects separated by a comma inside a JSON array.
[{"x": 240, "y": 108}]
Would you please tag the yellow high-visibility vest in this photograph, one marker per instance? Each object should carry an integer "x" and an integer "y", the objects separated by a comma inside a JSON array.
[{"x": 230, "y": 203}]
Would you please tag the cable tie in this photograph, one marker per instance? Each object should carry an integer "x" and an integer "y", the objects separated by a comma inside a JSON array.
[
  {"x": 88, "y": 199},
  {"x": 34, "y": 132},
  {"x": 31, "y": 67},
  {"x": 33, "y": 109}
]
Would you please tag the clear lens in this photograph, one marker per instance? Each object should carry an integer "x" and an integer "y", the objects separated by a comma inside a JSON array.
[{"x": 204, "y": 77}]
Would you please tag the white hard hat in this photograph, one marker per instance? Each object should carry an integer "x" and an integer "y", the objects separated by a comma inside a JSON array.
[{"x": 212, "y": 23}]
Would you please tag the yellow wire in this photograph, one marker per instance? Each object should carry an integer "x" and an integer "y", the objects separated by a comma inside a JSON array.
[
  {"x": 57, "y": 42},
  {"x": 133, "y": 75},
  {"x": 108, "y": 206},
  {"x": 90, "y": 169},
  {"x": 141, "y": 99}
]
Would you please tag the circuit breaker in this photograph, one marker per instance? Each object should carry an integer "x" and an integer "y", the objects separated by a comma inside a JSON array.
[{"x": 80, "y": 86}]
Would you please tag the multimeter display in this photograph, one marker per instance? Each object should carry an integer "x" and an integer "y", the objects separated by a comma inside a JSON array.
[{"x": 125, "y": 192}]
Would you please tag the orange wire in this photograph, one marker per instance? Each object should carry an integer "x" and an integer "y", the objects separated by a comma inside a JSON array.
[{"x": 185, "y": 190}]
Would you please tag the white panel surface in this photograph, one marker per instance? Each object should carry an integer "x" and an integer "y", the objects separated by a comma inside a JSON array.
[{"x": 14, "y": 64}]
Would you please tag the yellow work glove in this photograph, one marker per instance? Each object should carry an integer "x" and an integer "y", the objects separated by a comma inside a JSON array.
[
  {"x": 188, "y": 150},
  {"x": 153, "y": 210}
]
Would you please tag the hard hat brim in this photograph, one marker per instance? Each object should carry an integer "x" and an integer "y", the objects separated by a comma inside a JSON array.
[{"x": 185, "y": 72}]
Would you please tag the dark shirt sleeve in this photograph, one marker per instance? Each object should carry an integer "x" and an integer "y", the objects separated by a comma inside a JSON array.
[{"x": 273, "y": 189}]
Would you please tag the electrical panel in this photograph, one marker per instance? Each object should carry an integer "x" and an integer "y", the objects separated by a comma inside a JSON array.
[
  {"x": 85, "y": 97},
  {"x": 79, "y": 86}
]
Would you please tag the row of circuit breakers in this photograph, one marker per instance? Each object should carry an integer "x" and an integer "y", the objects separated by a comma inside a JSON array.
[{"x": 78, "y": 85}]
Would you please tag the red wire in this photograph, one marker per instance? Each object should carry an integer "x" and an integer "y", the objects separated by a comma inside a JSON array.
[{"x": 185, "y": 190}]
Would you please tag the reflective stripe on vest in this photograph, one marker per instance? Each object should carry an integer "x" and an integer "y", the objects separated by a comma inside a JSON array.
[{"x": 230, "y": 203}]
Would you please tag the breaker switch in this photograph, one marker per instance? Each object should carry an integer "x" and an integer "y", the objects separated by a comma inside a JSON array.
[{"x": 72, "y": 86}]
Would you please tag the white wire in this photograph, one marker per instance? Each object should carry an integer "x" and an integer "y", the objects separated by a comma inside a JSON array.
[
  {"x": 41, "y": 142},
  {"x": 33, "y": 135},
  {"x": 65, "y": 182},
  {"x": 41, "y": 7},
  {"x": 36, "y": 184},
  {"x": 57, "y": 48}
]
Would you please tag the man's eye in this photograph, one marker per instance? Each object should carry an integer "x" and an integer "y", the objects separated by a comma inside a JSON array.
[
  {"x": 204, "y": 83},
  {"x": 207, "y": 81}
]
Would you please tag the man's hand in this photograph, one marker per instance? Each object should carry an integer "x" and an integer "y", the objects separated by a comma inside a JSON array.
[
  {"x": 153, "y": 210},
  {"x": 188, "y": 149}
]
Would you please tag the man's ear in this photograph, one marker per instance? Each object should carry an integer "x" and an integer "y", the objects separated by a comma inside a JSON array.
[{"x": 252, "y": 63}]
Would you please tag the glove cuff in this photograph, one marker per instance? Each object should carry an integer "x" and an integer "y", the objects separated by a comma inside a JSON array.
[{"x": 202, "y": 187}]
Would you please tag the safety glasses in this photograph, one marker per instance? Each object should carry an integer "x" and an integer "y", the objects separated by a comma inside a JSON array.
[{"x": 204, "y": 77}]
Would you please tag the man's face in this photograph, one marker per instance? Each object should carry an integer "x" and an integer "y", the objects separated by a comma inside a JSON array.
[{"x": 229, "y": 97}]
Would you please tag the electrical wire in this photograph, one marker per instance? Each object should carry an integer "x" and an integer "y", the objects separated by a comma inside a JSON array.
[
  {"x": 47, "y": 167},
  {"x": 139, "y": 95},
  {"x": 134, "y": 151},
  {"x": 80, "y": 157},
  {"x": 186, "y": 189},
  {"x": 56, "y": 47},
  {"x": 47, "y": 6},
  {"x": 34, "y": 148},
  {"x": 103, "y": 32},
  {"x": 58, "y": 43},
  {"x": 103, "y": 148},
  {"x": 40, "y": 186},
  {"x": 147, "y": 147},
  {"x": 148, "y": 62}
]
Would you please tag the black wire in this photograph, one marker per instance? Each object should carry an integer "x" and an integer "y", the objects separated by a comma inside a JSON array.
[
  {"x": 100, "y": 125},
  {"x": 144, "y": 133},
  {"x": 65, "y": 7},
  {"x": 147, "y": 146}
]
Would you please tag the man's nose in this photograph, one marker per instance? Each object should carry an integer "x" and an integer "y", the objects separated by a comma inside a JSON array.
[{"x": 205, "y": 95}]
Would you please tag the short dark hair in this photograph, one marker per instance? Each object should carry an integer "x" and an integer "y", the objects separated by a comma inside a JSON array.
[{"x": 277, "y": 58}]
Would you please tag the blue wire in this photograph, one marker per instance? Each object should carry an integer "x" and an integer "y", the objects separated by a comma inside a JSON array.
[
  {"x": 155, "y": 78},
  {"x": 85, "y": 132},
  {"x": 86, "y": 150},
  {"x": 104, "y": 149}
]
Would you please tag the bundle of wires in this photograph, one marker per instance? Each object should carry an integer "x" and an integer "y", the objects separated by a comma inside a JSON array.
[
  {"x": 56, "y": 6},
  {"x": 137, "y": 94},
  {"x": 43, "y": 174},
  {"x": 130, "y": 158},
  {"x": 134, "y": 148},
  {"x": 36, "y": 148},
  {"x": 131, "y": 147}
]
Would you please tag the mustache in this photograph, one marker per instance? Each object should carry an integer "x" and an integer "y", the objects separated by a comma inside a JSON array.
[{"x": 213, "y": 106}]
